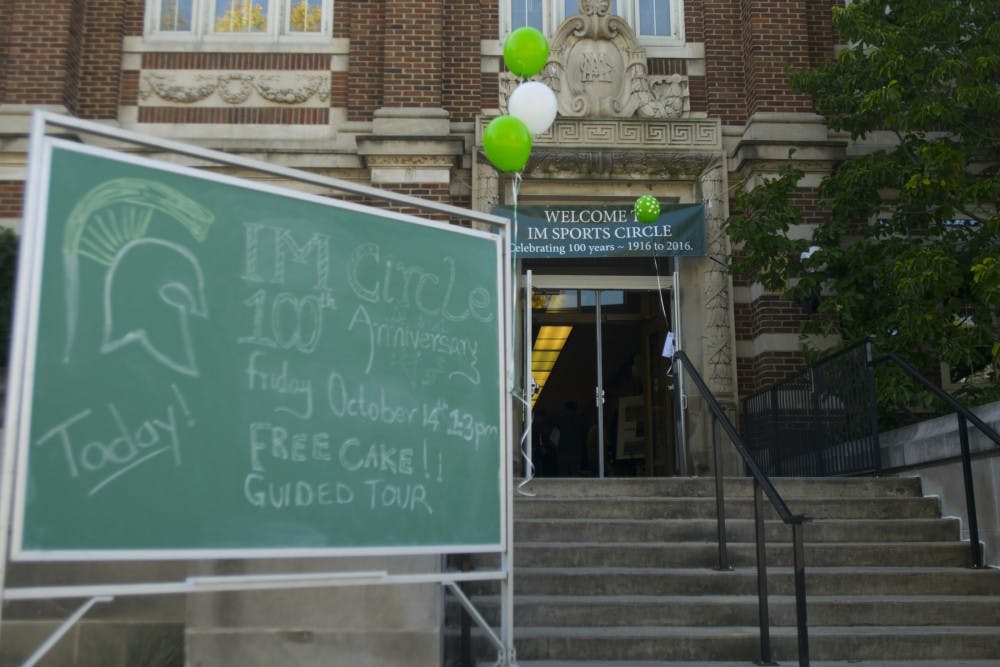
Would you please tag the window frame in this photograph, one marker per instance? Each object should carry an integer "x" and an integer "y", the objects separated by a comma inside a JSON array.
[
  {"x": 553, "y": 14},
  {"x": 203, "y": 18}
]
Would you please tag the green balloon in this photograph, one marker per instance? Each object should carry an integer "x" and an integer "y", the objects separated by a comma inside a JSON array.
[
  {"x": 647, "y": 209},
  {"x": 526, "y": 51},
  {"x": 507, "y": 143}
]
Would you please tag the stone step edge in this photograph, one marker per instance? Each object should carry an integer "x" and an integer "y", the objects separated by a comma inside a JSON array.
[
  {"x": 535, "y": 598},
  {"x": 751, "y": 570},
  {"x": 709, "y": 663},
  {"x": 567, "y": 544},
  {"x": 693, "y": 632}
]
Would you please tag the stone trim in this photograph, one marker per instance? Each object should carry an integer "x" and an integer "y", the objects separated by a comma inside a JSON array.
[{"x": 243, "y": 88}]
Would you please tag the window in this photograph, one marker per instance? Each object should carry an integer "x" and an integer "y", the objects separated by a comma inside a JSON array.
[
  {"x": 654, "y": 21},
  {"x": 226, "y": 19}
]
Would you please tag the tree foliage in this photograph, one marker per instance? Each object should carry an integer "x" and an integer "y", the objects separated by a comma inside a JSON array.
[
  {"x": 908, "y": 251},
  {"x": 306, "y": 17},
  {"x": 242, "y": 16}
]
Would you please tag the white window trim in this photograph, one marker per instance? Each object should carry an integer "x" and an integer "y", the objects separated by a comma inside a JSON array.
[
  {"x": 203, "y": 20},
  {"x": 553, "y": 16}
]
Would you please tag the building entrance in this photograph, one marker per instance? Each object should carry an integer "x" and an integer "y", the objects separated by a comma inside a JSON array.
[{"x": 602, "y": 401}]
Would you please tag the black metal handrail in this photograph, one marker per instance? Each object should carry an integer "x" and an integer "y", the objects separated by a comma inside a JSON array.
[
  {"x": 761, "y": 486},
  {"x": 964, "y": 416},
  {"x": 818, "y": 422}
]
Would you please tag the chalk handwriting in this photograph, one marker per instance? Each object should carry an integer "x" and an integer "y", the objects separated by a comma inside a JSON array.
[
  {"x": 384, "y": 281},
  {"x": 379, "y": 456},
  {"x": 279, "y": 444},
  {"x": 402, "y": 496},
  {"x": 126, "y": 448},
  {"x": 268, "y": 249},
  {"x": 260, "y": 492},
  {"x": 285, "y": 320},
  {"x": 417, "y": 341},
  {"x": 279, "y": 382},
  {"x": 345, "y": 401}
]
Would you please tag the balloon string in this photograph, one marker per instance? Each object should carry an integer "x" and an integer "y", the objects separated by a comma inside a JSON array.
[
  {"x": 515, "y": 189},
  {"x": 521, "y": 396}
]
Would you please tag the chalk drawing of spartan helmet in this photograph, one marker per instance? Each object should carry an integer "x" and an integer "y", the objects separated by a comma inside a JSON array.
[{"x": 111, "y": 225}]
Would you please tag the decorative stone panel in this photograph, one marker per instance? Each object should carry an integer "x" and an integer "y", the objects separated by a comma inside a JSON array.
[
  {"x": 625, "y": 147},
  {"x": 207, "y": 88},
  {"x": 598, "y": 70}
]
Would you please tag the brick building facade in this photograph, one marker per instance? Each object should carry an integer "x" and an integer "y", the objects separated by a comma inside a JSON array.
[{"x": 395, "y": 93}]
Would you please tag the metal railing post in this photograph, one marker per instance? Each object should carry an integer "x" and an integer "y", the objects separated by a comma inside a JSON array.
[
  {"x": 720, "y": 503},
  {"x": 465, "y": 636},
  {"x": 763, "y": 616},
  {"x": 964, "y": 416},
  {"x": 801, "y": 622},
  {"x": 818, "y": 420},
  {"x": 970, "y": 492},
  {"x": 872, "y": 410},
  {"x": 762, "y": 486},
  {"x": 776, "y": 458}
]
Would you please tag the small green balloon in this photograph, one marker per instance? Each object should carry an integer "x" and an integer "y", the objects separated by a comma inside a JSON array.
[
  {"x": 526, "y": 51},
  {"x": 507, "y": 143},
  {"x": 647, "y": 209}
]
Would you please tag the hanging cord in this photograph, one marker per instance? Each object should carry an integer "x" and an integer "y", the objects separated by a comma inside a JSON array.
[
  {"x": 522, "y": 395},
  {"x": 515, "y": 189},
  {"x": 663, "y": 309}
]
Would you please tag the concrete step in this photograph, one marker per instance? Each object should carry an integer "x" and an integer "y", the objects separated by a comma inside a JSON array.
[
  {"x": 902, "y": 507},
  {"x": 692, "y": 487},
  {"x": 718, "y": 610},
  {"x": 743, "y": 663},
  {"x": 743, "y": 581},
  {"x": 610, "y": 573},
  {"x": 737, "y": 530},
  {"x": 742, "y": 643},
  {"x": 740, "y": 554}
]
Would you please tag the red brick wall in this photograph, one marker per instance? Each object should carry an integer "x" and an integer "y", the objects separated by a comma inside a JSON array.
[
  {"x": 771, "y": 314},
  {"x": 694, "y": 21},
  {"x": 364, "y": 80},
  {"x": 101, "y": 59},
  {"x": 6, "y": 19},
  {"x": 414, "y": 55},
  {"x": 822, "y": 35},
  {"x": 489, "y": 15},
  {"x": 133, "y": 17},
  {"x": 775, "y": 38},
  {"x": 725, "y": 79},
  {"x": 753, "y": 375},
  {"x": 36, "y": 63},
  {"x": 11, "y": 198},
  {"x": 461, "y": 75},
  {"x": 767, "y": 314}
]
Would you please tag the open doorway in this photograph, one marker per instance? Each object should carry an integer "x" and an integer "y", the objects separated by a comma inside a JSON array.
[{"x": 603, "y": 400}]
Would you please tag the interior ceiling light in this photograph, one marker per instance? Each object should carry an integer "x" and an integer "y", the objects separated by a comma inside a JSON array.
[{"x": 544, "y": 353}]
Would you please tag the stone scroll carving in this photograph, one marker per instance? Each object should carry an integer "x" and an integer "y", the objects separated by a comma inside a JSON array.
[
  {"x": 235, "y": 88},
  {"x": 716, "y": 286},
  {"x": 598, "y": 70}
]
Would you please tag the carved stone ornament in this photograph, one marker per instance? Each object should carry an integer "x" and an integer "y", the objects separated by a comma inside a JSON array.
[
  {"x": 235, "y": 88},
  {"x": 598, "y": 70}
]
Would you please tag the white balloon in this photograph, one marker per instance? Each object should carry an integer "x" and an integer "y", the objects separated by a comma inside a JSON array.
[{"x": 534, "y": 104}]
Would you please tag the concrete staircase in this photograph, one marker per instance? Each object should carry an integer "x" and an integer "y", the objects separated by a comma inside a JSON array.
[{"x": 622, "y": 572}]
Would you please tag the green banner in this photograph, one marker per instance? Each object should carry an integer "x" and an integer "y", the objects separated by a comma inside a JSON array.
[{"x": 605, "y": 231}]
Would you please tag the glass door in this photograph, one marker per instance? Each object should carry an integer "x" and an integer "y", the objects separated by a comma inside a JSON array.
[{"x": 601, "y": 403}]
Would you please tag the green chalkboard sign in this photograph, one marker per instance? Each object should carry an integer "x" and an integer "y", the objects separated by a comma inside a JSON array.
[{"x": 208, "y": 366}]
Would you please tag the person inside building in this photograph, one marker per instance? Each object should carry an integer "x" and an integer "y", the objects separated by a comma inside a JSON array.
[{"x": 569, "y": 438}]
